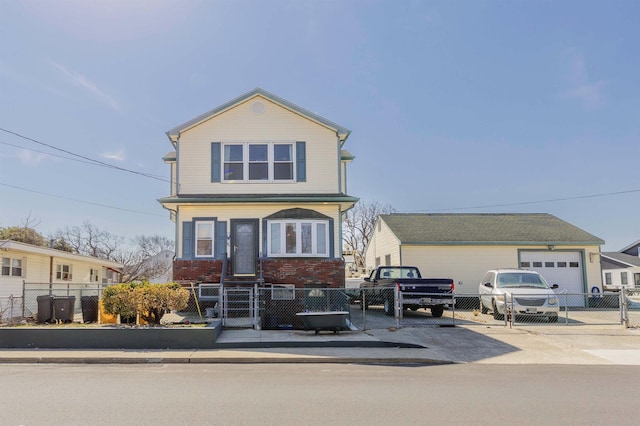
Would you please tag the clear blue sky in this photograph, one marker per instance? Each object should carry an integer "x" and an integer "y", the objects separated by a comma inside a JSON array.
[{"x": 454, "y": 106}]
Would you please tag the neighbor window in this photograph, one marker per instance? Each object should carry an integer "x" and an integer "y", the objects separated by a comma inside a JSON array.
[
  {"x": 607, "y": 278},
  {"x": 624, "y": 280},
  {"x": 94, "y": 275},
  {"x": 11, "y": 267},
  {"x": 63, "y": 272},
  {"x": 204, "y": 238},
  {"x": 253, "y": 162},
  {"x": 387, "y": 260},
  {"x": 298, "y": 238}
]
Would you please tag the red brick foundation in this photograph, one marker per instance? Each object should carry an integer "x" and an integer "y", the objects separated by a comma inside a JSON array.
[{"x": 298, "y": 271}]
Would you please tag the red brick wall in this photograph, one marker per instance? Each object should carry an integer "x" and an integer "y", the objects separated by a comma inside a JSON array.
[{"x": 298, "y": 271}]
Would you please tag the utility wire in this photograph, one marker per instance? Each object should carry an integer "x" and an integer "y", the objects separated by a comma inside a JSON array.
[
  {"x": 607, "y": 194},
  {"x": 80, "y": 201},
  {"x": 97, "y": 162}
]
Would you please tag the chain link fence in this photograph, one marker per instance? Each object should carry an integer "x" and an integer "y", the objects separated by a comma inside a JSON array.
[{"x": 283, "y": 307}]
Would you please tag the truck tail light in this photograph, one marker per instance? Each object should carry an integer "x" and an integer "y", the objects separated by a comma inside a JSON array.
[{"x": 453, "y": 286}]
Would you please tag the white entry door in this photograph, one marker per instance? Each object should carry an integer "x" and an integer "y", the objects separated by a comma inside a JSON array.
[{"x": 557, "y": 267}]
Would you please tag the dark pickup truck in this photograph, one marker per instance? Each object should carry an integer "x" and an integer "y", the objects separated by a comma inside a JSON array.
[{"x": 417, "y": 292}]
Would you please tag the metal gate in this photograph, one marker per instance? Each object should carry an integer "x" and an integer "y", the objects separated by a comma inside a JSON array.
[{"x": 240, "y": 307}]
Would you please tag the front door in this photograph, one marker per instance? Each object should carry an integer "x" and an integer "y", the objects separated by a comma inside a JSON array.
[{"x": 244, "y": 246}]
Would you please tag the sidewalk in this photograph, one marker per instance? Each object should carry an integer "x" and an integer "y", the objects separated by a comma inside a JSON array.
[{"x": 583, "y": 345}]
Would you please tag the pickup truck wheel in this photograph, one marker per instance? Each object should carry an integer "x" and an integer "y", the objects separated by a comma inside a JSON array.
[
  {"x": 437, "y": 311},
  {"x": 388, "y": 307},
  {"x": 496, "y": 315}
]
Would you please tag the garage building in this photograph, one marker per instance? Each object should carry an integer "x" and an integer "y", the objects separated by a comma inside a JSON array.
[{"x": 465, "y": 246}]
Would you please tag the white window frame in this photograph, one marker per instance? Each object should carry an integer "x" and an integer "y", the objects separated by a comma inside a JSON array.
[
  {"x": 94, "y": 275},
  {"x": 212, "y": 224},
  {"x": 315, "y": 238},
  {"x": 63, "y": 275},
  {"x": 283, "y": 292},
  {"x": 271, "y": 161},
  {"x": 14, "y": 264}
]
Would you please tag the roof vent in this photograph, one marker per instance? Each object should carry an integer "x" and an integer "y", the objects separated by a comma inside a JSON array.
[{"x": 257, "y": 107}]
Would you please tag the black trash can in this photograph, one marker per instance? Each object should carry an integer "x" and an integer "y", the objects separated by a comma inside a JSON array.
[
  {"x": 89, "y": 306},
  {"x": 63, "y": 307},
  {"x": 45, "y": 309}
]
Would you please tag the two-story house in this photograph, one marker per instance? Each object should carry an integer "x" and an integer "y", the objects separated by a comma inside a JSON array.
[{"x": 258, "y": 194}]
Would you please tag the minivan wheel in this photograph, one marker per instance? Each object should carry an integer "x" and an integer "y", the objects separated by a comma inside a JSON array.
[
  {"x": 483, "y": 308},
  {"x": 553, "y": 318}
]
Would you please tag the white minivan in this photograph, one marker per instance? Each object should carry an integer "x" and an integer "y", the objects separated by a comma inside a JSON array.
[{"x": 526, "y": 292}]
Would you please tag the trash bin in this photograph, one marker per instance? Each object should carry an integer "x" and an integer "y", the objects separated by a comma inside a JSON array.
[
  {"x": 63, "y": 307},
  {"x": 89, "y": 306},
  {"x": 45, "y": 308}
]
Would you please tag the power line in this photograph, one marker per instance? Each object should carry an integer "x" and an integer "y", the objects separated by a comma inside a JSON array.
[
  {"x": 607, "y": 194},
  {"x": 80, "y": 201},
  {"x": 91, "y": 160}
]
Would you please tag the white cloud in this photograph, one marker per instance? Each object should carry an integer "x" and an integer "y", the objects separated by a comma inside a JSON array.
[
  {"x": 591, "y": 95},
  {"x": 88, "y": 85},
  {"x": 31, "y": 158},
  {"x": 116, "y": 156}
]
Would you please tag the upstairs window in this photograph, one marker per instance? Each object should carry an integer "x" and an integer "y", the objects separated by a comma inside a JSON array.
[{"x": 258, "y": 162}]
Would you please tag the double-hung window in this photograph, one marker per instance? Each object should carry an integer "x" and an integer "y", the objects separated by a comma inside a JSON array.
[
  {"x": 63, "y": 272},
  {"x": 298, "y": 238},
  {"x": 204, "y": 238},
  {"x": 258, "y": 162},
  {"x": 11, "y": 267}
]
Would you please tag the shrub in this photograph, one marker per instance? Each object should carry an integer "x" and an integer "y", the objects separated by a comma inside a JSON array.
[{"x": 150, "y": 301}]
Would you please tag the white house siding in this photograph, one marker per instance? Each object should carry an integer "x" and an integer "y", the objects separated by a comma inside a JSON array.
[
  {"x": 616, "y": 277},
  {"x": 226, "y": 212},
  {"x": 383, "y": 243},
  {"x": 240, "y": 123},
  {"x": 466, "y": 265}
]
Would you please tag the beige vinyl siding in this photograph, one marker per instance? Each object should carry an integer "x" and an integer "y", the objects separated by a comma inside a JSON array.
[
  {"x": 241, "y": 124},
  {"x": 226, "y": 212},
  {"x": 383, "y": 243}
]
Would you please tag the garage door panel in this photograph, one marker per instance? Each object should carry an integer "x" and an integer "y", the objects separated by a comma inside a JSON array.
[{"x": 557, "y": 267}]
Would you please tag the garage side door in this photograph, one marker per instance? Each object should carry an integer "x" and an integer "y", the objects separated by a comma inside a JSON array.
[{"x": 557, "y": 267}]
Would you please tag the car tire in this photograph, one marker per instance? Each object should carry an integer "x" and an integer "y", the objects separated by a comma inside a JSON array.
[
  {"x": 388, "y": 307},
  {"x": 483, "y": 308},
  {"x": 496, "y": 315},
  {"x": 437, "y": 311}
]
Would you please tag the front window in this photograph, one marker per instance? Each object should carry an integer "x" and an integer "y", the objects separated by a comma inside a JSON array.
[
  {"x": 607, "y": 278},
  {"x": 11, "y": 267},
  {"x": 624, "y": 278},
  {"x": 255, "y": 162},
  {"x": 63, "y": 272},
  {"x": 298, "y": 238},
  {"x": 204, "y": 239}
]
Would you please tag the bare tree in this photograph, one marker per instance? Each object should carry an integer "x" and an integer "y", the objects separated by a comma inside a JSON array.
[
  {"x": 140, "y": 262},
  {"x": 358, "y": 227}
]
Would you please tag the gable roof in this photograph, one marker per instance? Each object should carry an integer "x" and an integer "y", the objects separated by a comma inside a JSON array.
[
  {"x": 633, "y": 248},
  {"x": 486, "y": 229},
  {"x": 622, "y": 258},
  {"x": 342, "y": 132},
  {"x": 45, "y": 251}
]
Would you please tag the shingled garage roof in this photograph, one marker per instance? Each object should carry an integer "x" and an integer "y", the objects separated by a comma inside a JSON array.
[{"x": 486, "y": 229}]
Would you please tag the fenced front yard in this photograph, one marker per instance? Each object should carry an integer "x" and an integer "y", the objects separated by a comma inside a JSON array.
[{"x": 284, "y": 307}]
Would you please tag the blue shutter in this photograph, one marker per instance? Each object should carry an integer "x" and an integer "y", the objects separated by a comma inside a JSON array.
[
  {"x": 216, "y": 162},
  {"x": 301, "y": 162},
  {"x": 187, "y": 240},
  {"x": 331, "y": 240},
  {"x": 221, "y": 239}
]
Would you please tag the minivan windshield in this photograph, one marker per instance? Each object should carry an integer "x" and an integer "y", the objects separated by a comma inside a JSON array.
[{"x": 519, "y": 279}]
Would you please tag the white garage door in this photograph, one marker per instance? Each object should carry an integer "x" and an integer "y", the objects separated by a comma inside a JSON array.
[{"x": 557, "y": 267}]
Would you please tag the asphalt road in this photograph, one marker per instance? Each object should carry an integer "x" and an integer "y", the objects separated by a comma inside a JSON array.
[{"x": 315, "y": 394}]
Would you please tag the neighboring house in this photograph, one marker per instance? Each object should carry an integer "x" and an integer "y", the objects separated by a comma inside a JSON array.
[
  {"x": 162, "y": 261},
  {"x": 33, "y": 264},
  {"x": 621, "y": 268},
  {"x": 259, "y": 185},
  {"x": 465, "y": 246}
]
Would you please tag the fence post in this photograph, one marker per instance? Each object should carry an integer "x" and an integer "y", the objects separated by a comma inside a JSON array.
[
  {"x": 363, "y": 296},
  {"x": 397, "y": 296},
  {"x": 566, "y": 307},
  {"x": 624, "y": 312},
  {"x": 256, "y": 307}
]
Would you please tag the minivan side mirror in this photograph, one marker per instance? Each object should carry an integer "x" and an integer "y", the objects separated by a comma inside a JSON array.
[
  {"x": 554, "y": 286},
  {"x": 367, "y": 279},
  {"x": 488, "y": 285}
]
